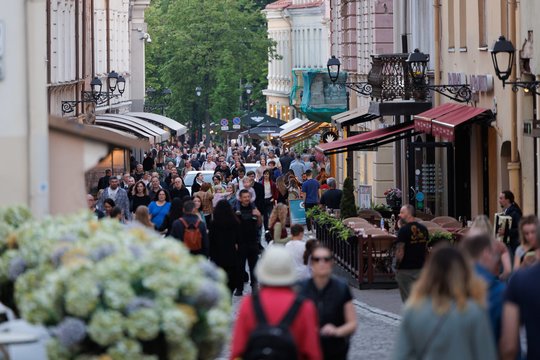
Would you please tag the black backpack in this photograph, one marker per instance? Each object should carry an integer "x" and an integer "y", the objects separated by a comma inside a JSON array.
[{"x": 272, "y": 342}]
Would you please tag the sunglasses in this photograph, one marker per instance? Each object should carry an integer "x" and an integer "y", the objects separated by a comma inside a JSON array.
[{"x": 323, "y": 259}]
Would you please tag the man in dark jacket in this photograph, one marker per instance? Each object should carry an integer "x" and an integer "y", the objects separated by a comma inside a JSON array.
[
  {"x": 285, "y": 161},
  {"x": 103, "y": 181},
  {"x": 259, "y": 190},
  {"x": 510, "y": 208},
  {"x": 191, "y": 218}
]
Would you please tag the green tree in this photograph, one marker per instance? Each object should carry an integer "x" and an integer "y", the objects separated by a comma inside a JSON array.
[
  {"x": 348, "y": 203},
  {"x": 217, "y": 45}
]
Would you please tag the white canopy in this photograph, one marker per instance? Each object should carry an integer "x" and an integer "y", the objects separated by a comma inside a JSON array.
[{"x": 161, "y": 121}]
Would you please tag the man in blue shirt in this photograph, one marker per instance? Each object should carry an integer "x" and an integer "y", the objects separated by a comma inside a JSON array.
[
  {"x": 522, "y": 304},
  {"x": 298, "y": 167},
  {"x": 481, "y": 250},
  {"x": 310, "y": 194}
]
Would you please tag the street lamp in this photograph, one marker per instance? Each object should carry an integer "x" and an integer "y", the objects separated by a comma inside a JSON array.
[
  {"x": 502, "y": 56},
  {"x": 333, "y": 65},
  {"x": 198, "y": 91},
  {"x": 157, "y": 100},
  {"x": 248, "y": 88},
  {"x": 96, "y": 95},
  {"x": 417, "y": 64}
]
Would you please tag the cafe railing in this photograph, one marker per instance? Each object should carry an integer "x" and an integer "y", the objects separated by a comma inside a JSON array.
[{"x": 368, "y": 259}]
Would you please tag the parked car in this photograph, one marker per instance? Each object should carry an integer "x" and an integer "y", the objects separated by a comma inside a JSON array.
[{"x": 190, "y": 176}]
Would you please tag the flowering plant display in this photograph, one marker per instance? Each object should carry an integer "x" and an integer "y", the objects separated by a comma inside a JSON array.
[
  {"x": 107, "y": 291},
  {"x": 393, "y": 194}
]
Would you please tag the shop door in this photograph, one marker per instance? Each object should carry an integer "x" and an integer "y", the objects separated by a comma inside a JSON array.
[{"x": 431, "y": 177}]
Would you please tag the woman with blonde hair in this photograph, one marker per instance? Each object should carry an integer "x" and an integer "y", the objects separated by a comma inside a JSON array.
[
  {"x": 277, "y": 224},
  {"x": 445, "y": 316},
  {"x": 525, "y": 252},
  {"x": 503, "y": 267},
  {"x": 206, "y": 197},
  {"x": 143, "y": 216}
]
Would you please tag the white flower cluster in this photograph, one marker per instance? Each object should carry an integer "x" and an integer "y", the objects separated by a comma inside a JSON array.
[{"x": 108, "y": 291}]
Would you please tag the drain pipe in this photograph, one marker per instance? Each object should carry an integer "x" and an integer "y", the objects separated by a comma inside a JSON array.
[
  {"x": 438, "y": 54},
  {"x": 37, "y": 181}
]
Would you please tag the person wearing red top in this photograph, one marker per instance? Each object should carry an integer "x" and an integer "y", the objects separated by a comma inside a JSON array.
[{"x": 276, "y": 274}]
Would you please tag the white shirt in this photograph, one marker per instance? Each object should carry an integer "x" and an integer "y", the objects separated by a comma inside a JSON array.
[
  {"x": 112, "y": 193},
  {"x": 297, "y": 248}
]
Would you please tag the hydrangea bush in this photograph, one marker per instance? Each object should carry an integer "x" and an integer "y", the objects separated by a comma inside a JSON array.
[{"x": 107, "y": 291}]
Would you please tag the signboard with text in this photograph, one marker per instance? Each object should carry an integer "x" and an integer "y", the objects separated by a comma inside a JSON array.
[
  {"x": 298, "y": 212},
  {"x": 365, "y": 193}
]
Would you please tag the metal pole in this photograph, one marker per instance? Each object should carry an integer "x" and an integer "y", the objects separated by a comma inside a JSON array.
[{"x": 514, "y": 166}]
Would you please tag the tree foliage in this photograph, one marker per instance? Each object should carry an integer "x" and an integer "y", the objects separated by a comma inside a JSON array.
[
  {"x": 348, "y": 204},
  {"x": 217, "y": 45}
]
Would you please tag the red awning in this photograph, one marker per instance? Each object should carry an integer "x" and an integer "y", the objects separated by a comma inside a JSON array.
[
  {"x": 368, "y": 140},
  {"x": 422, "y": 121},
  {"x": 442, "y": 120},
  {"x": 444, "y": 125}
]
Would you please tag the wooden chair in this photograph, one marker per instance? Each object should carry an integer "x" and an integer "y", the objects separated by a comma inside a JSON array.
[
  {"x": 370, "y": 215},
  {"x": 430, "y": 224},
  {"x": 443, "y": 220},
  {"x": 355, "y": 220},
  {"x": 452, "y": 225}
]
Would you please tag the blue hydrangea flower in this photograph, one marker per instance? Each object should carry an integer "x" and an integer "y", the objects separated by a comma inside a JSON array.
[
  {"x": 102, "y": 252},
  {"x": 208, "y": 295},
  {"x": 137, "y": 251},
  {"x": 70, "y": 331},
  {"x": 56, "y": 256},
  {"x": 16, "y": 267},
  {"x": 139, "y": 303},
  {"x": 209, "y": 269}
]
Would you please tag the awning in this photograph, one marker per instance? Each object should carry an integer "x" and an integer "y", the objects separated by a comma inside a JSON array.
[
  {"x": 422, "y": 121},
  {"x": 369, "y": 140},
  {"x": 161, "y": 121},
  {"x": 97, "y": 134},
  {"x": 289, "y": 124},
  {"x": 255, "y": 118},
  {"x": 293, "y": 127},
  {"x": 442, "y": 120},
  {"x": 352, "y": 117},
  {"x": 134, "y": 125},
  {"x": 303, "y": 132}
]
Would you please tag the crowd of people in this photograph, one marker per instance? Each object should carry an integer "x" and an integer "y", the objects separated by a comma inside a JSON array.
[{"x": 469, "y": 300}]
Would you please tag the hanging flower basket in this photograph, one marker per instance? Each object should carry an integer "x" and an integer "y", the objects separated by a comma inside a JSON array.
[{"x": 393, "y": 197}]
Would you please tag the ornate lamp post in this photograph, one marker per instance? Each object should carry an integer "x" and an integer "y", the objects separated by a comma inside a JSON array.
[{"x": 96, "y": 95}]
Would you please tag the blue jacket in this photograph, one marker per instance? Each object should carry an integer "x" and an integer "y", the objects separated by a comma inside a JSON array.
[{"x": 495, "y": 294}]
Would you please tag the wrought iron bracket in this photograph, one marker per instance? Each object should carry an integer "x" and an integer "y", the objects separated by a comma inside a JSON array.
[
  {"x": 88, "y": 97},
  {"x": 459, "y": 92},
  {"x": 362, "y": 88},
  {"x": 527, "y": 86}
]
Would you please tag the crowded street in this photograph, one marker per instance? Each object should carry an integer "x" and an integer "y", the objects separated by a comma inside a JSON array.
[{"x": 269, "y": 180}]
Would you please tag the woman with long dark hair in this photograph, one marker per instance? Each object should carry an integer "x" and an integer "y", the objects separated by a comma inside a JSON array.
[
  {"x": 270, "y": 197},
  {"x": 139, "y": 196},
  {"x": 197, "y": 182},
  {"x": 175, "y": 212},
  {"x": 159, "y": 207},
  {"x": 224, "y": 230}
]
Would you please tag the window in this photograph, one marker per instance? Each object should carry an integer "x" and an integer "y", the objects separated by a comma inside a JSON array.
[
  {"x": 462, "y": 25},
  {"x": 482, "y": 25},
  {"x": 451, "y": 19}
]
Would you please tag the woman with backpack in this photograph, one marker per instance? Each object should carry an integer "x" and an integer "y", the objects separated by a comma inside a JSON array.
[{"x": 276, "y": 306}]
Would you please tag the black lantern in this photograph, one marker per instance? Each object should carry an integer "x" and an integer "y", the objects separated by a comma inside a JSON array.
[
  {"x": 96, "y": 85},
  {"x": 333, "y": 66},
  {"x": 417, "y": 64},
  {"x": 113, "y": 79},
  {"x": 248, "y": 88},
  {"x": 502, "y": 55},
  {"x": 198, "y": 91},
  {"x": 121, "y": 83}
]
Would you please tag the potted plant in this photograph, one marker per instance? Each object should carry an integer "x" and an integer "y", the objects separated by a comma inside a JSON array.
[
  {"x": 348, "y": 205},
  {"x": 438, "y": 237},
  {"x": 393, "y": 197}
]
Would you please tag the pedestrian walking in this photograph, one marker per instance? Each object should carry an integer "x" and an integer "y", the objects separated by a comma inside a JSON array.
[
  {"x": 179, "y": 189},
  {"x": 521, "y": 307},
  {"x": 190, "y": 230},
  {"x": 331, "y": 198},
  {"x": 159, "y": 208},
  {"x": 310, "y": 194},
  {"x": 118, "y": 195},
  {"x": 481, "y": 249},
  {"x": 445, "y": 317},
  {"x": 206, "y": 197},
  {"x": 276, "y": 304},
  {"x": 333, "y": 299},
  {"x": 270, "y": 197},
  {"x": 142, "y": 216},
  {"x": 175, "y": 212},
  {"x": 297, "y": 247},
  {"x": 248, "y": 243},
  {"x": 277, "y": 223},
  {"x": 224, "y": 233},
  {"x": 525, "y": 252},
  {"x": 411, "y": 248},
  {"x": 139, "y": 196},
  {"x": 512, "y": 209}
]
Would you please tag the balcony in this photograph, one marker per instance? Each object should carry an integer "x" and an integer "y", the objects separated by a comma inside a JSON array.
[{"x": 389, "y": 78}]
